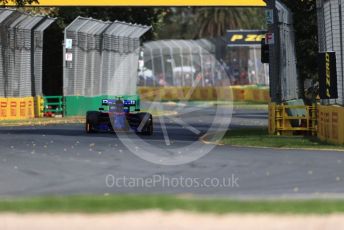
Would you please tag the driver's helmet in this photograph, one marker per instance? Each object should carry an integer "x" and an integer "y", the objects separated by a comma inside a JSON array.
[{"x": 119, "y": 107}]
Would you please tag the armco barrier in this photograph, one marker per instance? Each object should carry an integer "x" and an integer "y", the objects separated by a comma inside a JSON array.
[
  {"x": 53, "y": 104},
  {"x": 16, "y": 108},
  {"x": 331, "y": 124},
  {"x": 233, "y": 93}
]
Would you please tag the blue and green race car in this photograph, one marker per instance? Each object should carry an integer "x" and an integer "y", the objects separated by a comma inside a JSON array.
[{"x": 115, "y": 116}]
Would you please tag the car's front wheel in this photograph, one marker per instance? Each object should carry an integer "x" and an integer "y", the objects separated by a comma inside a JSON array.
[
  {"x": 91, "y": 119},
  {"x": 89, "y": 127}
]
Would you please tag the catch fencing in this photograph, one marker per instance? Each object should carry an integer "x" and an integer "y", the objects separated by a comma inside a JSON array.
[
  {"x": 101, "y": 58},
  {"x": 284, "y": 85},
  {"x": 207, "y": 62},
  {"x": 330, "y": 38},
  {"x": 21, "y": 53}
]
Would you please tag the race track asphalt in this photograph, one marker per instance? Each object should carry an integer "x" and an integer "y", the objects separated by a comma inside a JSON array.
[{"x": 64, "y": 160}]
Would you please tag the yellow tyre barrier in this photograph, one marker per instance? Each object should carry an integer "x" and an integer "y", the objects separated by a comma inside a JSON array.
[
  {"x": 16, "y": 108},
  {"x": 229, "y": 93},
  {"x": 238, "y": 94},
  {"x": 249, "y": 95},
  {"x": 30, "y": 108},
  {"x": 4, "y": 111}
]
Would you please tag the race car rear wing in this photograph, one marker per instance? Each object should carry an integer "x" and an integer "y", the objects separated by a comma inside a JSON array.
[{"x": 128, "y": 105}]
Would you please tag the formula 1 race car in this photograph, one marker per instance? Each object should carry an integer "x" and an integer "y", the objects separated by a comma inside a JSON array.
[{"x": 115, "y": 116}]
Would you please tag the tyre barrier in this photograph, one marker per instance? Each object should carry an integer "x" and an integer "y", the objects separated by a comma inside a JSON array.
[
  {"x": 234, "y": 93},
  {"x": 331, "y": 124},
  {"x": 16, "y": 108}
]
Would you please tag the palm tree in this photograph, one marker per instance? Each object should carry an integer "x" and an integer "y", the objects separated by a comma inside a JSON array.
[{"x": 214, "y": 21}]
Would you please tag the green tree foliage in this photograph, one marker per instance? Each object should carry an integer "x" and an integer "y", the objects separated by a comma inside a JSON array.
[
  {"x": 178, "y": 23},
  {"x": 214, "y": 21},
  {"x": 198, "y": 22}
]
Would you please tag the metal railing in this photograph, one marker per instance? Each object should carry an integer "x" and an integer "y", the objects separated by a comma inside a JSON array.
[
  {"x": 282, "y": 123},
  {"x": 53, "y": 104}
]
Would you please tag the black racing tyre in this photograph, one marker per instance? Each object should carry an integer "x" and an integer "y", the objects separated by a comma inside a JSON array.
[
  {"x": 148, "y": 127},
  {"x": 89, "y": 127},
  {"x": 91, "y": 119},
  {"x": 149, "y": 130},
  {"x": 92, "y": 116}
]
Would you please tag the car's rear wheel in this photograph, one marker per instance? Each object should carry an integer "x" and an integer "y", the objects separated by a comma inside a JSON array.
[
  {"x": 148, "y": 127},
  {"x": 149, "y": 130}
]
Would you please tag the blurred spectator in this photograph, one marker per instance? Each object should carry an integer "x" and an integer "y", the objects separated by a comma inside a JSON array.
[
  {"x": 162, "y": 81},
  {"x": 243, "y": 77}
]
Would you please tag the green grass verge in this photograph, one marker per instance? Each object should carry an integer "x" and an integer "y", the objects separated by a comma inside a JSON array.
[
  {"x": 250, "y": 105},
  {"x": 259, "y": 137},
  {"x": 120, "y": 203}
]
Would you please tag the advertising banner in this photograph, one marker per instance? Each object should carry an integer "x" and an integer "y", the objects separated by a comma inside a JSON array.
[{"x": 327, "y": 75}]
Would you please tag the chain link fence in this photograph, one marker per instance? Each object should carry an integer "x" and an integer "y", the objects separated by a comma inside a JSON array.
[
  {"x": 330, "y": 38},
  {"x": 21, "y": 53},
  {"x": 210, "y": 61},
  {"x": 101, "y": 58}
]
